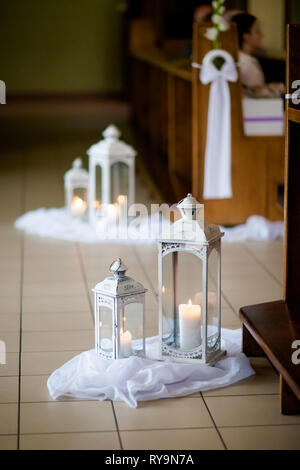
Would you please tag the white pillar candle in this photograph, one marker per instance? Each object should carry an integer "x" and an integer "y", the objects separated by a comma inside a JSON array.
[
  {"x": 125, "y": 343},
  {"x": 112, "y": 211},
  {"x": 189, "y": 325},
  {"x": 78, "y": 206}
]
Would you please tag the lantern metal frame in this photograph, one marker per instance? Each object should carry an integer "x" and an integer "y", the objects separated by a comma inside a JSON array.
[
  {"x": 75, "y": 178},
  {"x": 116, "y": 292},
  {"x": 106, "y": 153},
  {"x": 207, "y": 237}
]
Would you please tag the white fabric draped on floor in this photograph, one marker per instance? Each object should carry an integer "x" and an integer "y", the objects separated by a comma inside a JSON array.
[{"x": 139, "y": 379}]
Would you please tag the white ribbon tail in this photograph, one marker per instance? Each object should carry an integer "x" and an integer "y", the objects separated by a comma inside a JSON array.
[{"x": 217, "y": 167}]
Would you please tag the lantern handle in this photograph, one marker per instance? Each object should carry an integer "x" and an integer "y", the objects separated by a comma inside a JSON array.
[{"x": 118, "y": 268}]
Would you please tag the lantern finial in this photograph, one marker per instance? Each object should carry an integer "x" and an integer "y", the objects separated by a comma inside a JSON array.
[
  {"x": 189, "y": 207},
  {"x": 77, "y": 163},
  {"x": 111, "y": 132},
  {"x": 118, "y": 268}
]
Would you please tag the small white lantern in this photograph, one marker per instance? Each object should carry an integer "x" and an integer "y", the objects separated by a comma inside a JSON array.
[
  {"x": 119, "y": 315},
  {"x": 76, "y": 189},
  {"x": 189, "y": 288},
  {"x": 112, "y": 155}
]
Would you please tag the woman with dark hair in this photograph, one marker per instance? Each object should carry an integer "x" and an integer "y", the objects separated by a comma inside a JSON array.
[{"x": 252, "y": 76}]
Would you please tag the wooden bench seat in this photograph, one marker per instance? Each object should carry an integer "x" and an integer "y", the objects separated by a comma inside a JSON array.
[{"x": 270, "y": 329}]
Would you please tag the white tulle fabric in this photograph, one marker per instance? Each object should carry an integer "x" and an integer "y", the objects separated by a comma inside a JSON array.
[
  {"x": 138, "y": 379},
  {"x": 256, "y": 228},
  {"x": 58, "y": 223},
  {"x": 217, "y": 168}
]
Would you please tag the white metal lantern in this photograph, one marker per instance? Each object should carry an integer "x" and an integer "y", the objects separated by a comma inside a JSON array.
[
  {"x": 119, "y": 315},
  {"x": 76, "y": 189},
  {"x": 116, "y": 160},
  {"x": 189, "y": 287}
]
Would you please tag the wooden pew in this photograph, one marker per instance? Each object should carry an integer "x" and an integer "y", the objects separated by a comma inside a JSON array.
[
  {"x": 273, "y": 328},
  {"x": 257, "y": 161},
  {"x": 169, "y": 107},
  {"x": 161, "y": 97}
]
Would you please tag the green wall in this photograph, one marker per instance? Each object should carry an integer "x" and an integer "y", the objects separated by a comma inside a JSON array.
[{"x": 57, "y": 46}]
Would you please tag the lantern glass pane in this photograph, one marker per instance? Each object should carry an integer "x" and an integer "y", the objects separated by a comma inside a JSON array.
[
  {"x": 119, "y": 180},
  {"x": 81, "y": 193},
  {"x": 132, "y": 325},
  {"x": 98, "y": 183},
  {"x": 182, "y": 300},
  {"x": 79, "y": 202},
  {"x": 212, "y": 298},
  {"x": 105, "y": 329}
]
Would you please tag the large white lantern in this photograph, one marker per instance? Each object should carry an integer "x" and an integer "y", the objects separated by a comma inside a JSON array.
[
  {"x": 189, "y": 288},
  {"x": 76, "y": 189},
  {"x": 116, "y": 160},
  {"x": 119, "y": 315}
]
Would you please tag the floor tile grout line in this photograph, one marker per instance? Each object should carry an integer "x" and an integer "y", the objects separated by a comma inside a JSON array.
[
  {"x": 215, "y": 426},
  {"x": 229, "y": 303},
  {"x": 92, "y": 313},
  {"x": 144, "y": 271},
  {"x": 51, "y": 331},
  {"x": 157, "y": 429},
  {"x": 90, "y": 400},
  {"x": 85, "y": 281},
  {"x": 22, "y": 261},
  {"x": 263, "y": 265},
  {"x": 117, "y": 424}
]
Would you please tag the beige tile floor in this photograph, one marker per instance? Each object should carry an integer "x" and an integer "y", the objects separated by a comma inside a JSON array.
[{"x": 46, "y": 319}]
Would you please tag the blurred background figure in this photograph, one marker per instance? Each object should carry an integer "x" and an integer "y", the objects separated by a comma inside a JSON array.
[
  {"x": 252, "y": 76},
  {"x": 202, "y": 13},
  {"x": 229, "y": 14}
]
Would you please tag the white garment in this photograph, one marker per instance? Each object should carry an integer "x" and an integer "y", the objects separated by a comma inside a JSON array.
[
  {"x": 251, "y": 72},
  {"x": 139, "y": 379},
  {"x": 217, "y": 171}
]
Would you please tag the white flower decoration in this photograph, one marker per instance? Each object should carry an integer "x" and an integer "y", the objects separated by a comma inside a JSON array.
[
  {"x": 223, "y": 25},
  {"x": 216, "y": 18},
  {"x": 211, "y": 34},
  {"x": 220, "y": 24}
]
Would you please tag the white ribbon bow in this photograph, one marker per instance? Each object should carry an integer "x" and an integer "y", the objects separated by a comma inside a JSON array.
[{"x": 217, "y": 169}]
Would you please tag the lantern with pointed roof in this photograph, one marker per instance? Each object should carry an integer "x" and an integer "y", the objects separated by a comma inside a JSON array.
[
  {"x": 76, "y": 189},
  {"x": 116, "y": 160},
  {"x": 189, "y": 287},
  {"x": 119, "y": 304}
]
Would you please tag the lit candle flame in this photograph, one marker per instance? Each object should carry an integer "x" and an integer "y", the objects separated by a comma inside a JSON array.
[
  {"x": 121, "y": 199},
  {"x": 163, "y": 289},
  {"x": 77, "y": 201},
  {"x": 79, "y": 206}
]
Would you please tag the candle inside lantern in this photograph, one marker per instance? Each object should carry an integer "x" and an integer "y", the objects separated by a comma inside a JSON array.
[
  {"x": 190, "y": 325},
  {"x": 121, "y": 199},
  {"x": 112, "y": 211},
  {"x": 125, "y": 343},
  {"x": 120, "y": 204},
  {"x": 79, "y": 206}
]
